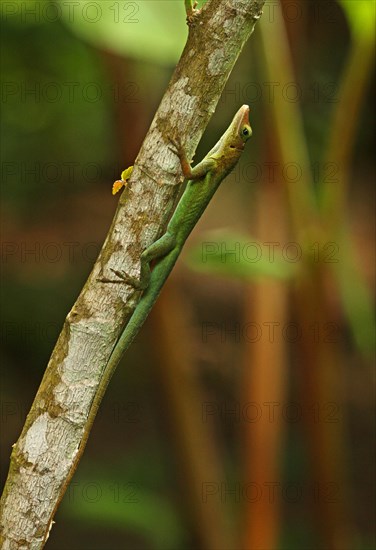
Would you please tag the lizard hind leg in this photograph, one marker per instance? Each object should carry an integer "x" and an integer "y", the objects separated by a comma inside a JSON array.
[{"x": 158, "y": 249}]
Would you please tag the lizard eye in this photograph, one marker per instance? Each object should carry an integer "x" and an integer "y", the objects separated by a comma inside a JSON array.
[{"x": 245, "y": 132}]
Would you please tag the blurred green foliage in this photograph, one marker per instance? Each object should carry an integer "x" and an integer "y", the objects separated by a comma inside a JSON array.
[
  {"x": 237, "y": 255},
  {"x": 55, "y": 101},
  {"x": 361, "y": 18},
  {"x": 127, "y": 507},
  {"x": 140, "y": 30}
]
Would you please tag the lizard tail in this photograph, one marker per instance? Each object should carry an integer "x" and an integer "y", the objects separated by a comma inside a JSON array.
[{"x": 159, "y": 275}]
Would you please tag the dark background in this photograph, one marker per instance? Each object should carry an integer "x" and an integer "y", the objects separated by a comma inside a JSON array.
[{"x": 243, "y": 415}]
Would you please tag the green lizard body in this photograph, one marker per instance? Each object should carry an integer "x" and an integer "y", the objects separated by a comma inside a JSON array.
[{"x": 203, "y": 180}]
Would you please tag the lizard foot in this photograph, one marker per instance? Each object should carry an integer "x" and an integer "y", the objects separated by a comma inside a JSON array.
[
  {"x": 123, "y": 278},
  {"x": 177, "y": 146},
  {"x": 193, "y": 15},
  {"x": 179, "y": 151}
]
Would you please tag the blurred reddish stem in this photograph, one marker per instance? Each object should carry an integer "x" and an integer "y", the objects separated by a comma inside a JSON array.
[
  {"x": 264, "y": 381},
  {"x": 288, "y": 123},
  {"x": 355, "y": 292},
  {"x": 319, "y": 366},
  {"x": 343, "y": 131}
]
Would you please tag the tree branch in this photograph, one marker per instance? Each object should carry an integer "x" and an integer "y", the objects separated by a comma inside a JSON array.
[{"x": 42, "y": 458}]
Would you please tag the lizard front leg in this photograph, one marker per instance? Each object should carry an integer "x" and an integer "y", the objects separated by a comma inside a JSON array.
[
  {"x": 199, "y": 171},
  {"x": 191, "y": 11}
]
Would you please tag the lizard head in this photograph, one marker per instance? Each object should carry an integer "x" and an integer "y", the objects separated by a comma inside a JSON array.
[
  {"x": 240, "y": 128},
  {"x": 231, "y": 145}
]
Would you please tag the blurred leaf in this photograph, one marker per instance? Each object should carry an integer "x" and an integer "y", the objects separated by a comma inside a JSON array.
[
  {"x": 152, "y": 31},
  {"x": 127, "y": 506},
  {"x": 357, "y": 302},
  {"x": 238, "y": 256},
  {"x": 361, "y": 18}
]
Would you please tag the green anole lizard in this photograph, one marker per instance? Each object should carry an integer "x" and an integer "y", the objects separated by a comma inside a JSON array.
[{"x": 203, "y": 180}]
